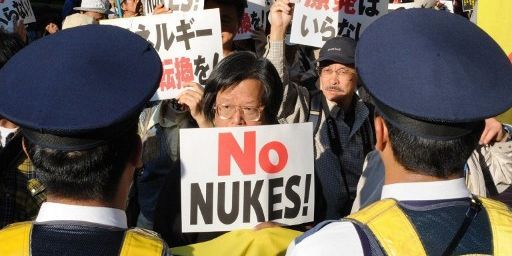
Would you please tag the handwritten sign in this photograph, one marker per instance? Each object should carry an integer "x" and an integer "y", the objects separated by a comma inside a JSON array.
[
  {"x": 448, "y": 5},
  {"x": 316, "y": 21},
  {"x": 237, "y": 177},
  {"x": 255, "y": 17},
  {"x": 148, "y": 6},
  {"x": 180, "y": 40},
  {"x": 13, "y": 10}
]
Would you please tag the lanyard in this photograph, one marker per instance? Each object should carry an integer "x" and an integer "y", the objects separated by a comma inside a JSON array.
[{"x": 473, "y": 209}]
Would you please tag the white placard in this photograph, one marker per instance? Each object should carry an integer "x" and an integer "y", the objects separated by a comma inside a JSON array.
[
  {"x": 13, "y": 10},
  {"x": 176, "y": 5},
  {"x": 448, "y": 4},
  {"x": 180, "y": 40},
  {"x": 184, "y": 5},
  {"x": 420, "y": 4},
  {"x": 237, "y": 177},
  {"x": 255, "y": 16},
  {"x": 316, "y": 21}
]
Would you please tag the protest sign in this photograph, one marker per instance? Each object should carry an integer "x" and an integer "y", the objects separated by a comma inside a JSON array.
[
  {"x": 255, "y": 17},
  {"x": 184, "y": 5},
  {"x": 176, "y": 5},
  {"x": 148, "y": 6},
  {"x": 316, "y": 21},
  {"x": 448, "y": 5},
  {"x": 237, "y": 177},
  {"x": 13, "y": 10},
  {"x": 408, "y": 5},
  {"x": 180, "y": 40},
  {"x": 313, "y": 24}
]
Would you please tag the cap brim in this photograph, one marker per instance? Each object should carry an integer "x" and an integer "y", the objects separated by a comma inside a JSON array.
[
  {"x": 336, "y": 59},
  {"x": 103, "y": 11}
]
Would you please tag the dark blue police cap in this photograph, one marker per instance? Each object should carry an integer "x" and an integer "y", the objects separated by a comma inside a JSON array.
[
  {"x": 79, "y": 88},
  {"x": 432, "y": 73}
]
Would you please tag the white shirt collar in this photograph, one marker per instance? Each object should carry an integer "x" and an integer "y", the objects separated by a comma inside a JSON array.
[
  {"x": 102, "y": 215},
  {"x": 421, "y": 191}
]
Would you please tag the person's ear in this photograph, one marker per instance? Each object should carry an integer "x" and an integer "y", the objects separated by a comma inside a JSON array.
[{"x": 381, "y": 133}]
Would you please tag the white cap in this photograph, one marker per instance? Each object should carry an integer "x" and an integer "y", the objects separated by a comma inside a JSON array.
[
  {"x": 100, "y": 6},
  {"x": 77, "y": 19}
]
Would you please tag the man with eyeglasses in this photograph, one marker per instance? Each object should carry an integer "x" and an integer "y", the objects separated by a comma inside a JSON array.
[{"x": 343, "y": 133}]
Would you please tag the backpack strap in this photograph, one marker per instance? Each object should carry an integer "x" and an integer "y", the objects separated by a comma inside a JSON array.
[
  {"x": 15, "y": 239},
  {"x": 384, "y": 218},
  {"x": 369, "y": 243},
  {"x": 315, "y": 110},
  {"x": 500, "y": 218},
  {"x": 490, "y": 187},
  {"x": 140, "y": 241}
]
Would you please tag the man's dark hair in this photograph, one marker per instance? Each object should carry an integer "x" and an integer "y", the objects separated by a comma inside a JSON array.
[
  {"x": 10, "y": 44},
  {"x": 240, "y": 66},
  {"x": 436, "y": 158},
  {"x": 238, "y": 4},
  {"x": 92, "y": 174}
]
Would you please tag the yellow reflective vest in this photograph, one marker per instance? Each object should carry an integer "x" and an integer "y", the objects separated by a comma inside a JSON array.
[
  {"x": 385, "y": 217},
  {"x": 15, "y": 241}
]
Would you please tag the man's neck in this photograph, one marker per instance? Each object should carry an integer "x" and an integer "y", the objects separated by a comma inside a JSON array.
[
  {"x": 70, "y": 201},
  {"x": 398, "y": 174},
  {"x": 346, "y": 103},
  {"x": 227, "y": 51}
]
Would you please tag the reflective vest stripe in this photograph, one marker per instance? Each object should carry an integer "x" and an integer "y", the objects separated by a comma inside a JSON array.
[
  {"x": 396, "y": 235},
  {"x": 15, "y": 239},
  {"x": 391, "y": 227},
  {"x": 140, "y": 242},
  {"x": 500, "y": 218}
]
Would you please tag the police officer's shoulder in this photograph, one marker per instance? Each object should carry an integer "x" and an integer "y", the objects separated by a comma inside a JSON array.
[
  {"x": 144, "y": 232},
  {"x": 143, "y": 241},
  {"x": 14, "y": 236},
  {"x": 328, "y": 238}
]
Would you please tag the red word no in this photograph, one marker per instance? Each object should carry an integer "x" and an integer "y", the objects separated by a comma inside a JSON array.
[{"x": 246, "y": 158}]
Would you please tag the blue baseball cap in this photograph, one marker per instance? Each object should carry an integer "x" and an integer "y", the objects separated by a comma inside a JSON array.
[
  {"x": 432, "y": 73},
  {"x": 338, "y": 49},
  {"x": 79, "y": 88}
]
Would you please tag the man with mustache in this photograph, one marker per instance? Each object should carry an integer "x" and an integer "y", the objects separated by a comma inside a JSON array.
[{"x": 342, "y": 129}]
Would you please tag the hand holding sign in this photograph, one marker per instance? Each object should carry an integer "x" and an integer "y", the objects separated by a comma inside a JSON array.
[
  {"x": 160, "y": 9},
  {"x": 191, "y": 97},
  {"x": 21, "y": 30}
]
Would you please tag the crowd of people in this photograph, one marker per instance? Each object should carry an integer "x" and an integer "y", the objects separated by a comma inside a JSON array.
[{"x": 409, "y": 158}]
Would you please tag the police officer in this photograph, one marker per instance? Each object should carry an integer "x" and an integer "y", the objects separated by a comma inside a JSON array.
[
  {"x": 434, "y": 77},
  {"x": 83, "y": 90}
]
